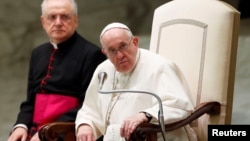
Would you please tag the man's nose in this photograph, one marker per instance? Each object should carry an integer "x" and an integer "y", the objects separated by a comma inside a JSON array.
[
  {"x": 58, "y": 20},
  {"x": 119, "y": 54}
]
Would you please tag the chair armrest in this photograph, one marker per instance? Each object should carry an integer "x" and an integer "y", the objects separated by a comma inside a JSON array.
[
  {"x": 58, "y": 131},
  {"x": 145, "y": 129}
]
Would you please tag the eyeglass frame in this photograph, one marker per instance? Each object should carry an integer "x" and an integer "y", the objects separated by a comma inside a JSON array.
[
  {"x": 122, "y": 48},
  {"x": 51, "y": 18}
]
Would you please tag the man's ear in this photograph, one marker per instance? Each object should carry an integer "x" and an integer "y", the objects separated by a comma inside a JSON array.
[
  {"x": 136, "y": 40},
  {"x": 76, "y": 20},
  {"x": 42, "y": 21},
  {"x": 103, "y": 51}
]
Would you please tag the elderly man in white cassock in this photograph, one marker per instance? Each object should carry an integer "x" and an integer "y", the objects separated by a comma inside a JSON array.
[{"x": 129, "y": 67}]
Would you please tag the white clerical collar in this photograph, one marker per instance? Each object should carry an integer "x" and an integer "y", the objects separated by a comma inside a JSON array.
[{"x": 54, "y": 45}]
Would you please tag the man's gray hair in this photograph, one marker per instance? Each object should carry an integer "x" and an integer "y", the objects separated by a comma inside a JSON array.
[{"x": 73, "y": 3}]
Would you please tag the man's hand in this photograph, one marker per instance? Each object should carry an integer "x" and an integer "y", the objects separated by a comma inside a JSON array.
[
  {"x": 130, "y": 124},
  {"x": 85, "y": 133},
  {"x": 19, "y": 134},
  {"x": 35, "y": 137}
]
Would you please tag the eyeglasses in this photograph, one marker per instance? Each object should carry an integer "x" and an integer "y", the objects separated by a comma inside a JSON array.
[
  {"x": 122, "y": 48},
  {"x": 63, "y": 17}
]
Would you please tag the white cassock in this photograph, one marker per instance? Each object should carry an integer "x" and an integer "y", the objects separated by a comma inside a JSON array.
[{"x": 106, "y": 112}]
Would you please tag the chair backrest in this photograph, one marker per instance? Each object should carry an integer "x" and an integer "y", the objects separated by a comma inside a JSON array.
[{"x": 201, "y": 37}]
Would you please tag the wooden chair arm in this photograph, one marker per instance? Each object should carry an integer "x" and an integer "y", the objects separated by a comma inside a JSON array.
[
  {"x": 66, "y": 130},
  {"x": 146, "y": 129},
  {"x": 58, "y": 131}
]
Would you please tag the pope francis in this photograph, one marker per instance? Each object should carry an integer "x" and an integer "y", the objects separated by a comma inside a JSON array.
[{"x": 129, "y": 67}]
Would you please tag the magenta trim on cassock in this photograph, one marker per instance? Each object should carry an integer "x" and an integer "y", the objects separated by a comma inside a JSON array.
[{"x": 49, "y": 107}]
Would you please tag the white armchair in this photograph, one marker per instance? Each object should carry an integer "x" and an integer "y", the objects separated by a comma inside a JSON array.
[{"x": 201, "y": 37}]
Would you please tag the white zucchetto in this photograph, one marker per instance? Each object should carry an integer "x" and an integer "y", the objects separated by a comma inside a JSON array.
[{"x": 114, "y": 25}]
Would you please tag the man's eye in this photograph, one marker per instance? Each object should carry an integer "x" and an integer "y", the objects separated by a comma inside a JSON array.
[
  {"x": 65, "y": 17},
  {"x": 123, "y": 46},
  {"x": 52, "y": 17},
  {"x": 112, "y": 51}
]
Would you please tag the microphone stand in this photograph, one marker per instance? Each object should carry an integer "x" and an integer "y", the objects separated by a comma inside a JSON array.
[{"x": 161, "y": 116}]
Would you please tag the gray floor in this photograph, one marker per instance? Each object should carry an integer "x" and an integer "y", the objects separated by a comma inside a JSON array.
[{"x": 12, "y": 90}]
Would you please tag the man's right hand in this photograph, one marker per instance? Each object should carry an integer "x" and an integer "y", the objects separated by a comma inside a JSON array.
[
  {"x": 85, "y": 133},
  {"x": 19, "y": 134}
]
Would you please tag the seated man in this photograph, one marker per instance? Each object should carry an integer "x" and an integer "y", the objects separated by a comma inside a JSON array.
[
  {"x": 129, "y": 67},
  {"x": 59, "y": 73}
]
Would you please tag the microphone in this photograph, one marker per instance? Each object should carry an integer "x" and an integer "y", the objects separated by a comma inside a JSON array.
[{"x": 103, "y": 75}]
